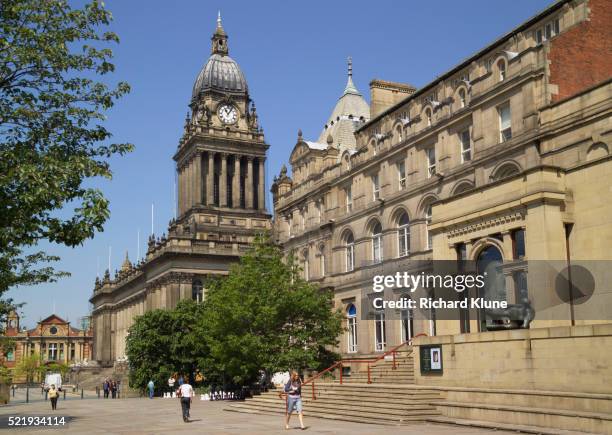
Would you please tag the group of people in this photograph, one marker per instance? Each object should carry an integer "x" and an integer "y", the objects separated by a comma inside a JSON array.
[{"x": 111, "y": 388}]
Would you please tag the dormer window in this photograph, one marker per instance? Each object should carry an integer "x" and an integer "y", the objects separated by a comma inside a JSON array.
[{"x": 547, "y": 31}]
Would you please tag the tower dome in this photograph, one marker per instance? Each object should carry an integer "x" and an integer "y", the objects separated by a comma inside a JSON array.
[{"x": 221, "y": 73}]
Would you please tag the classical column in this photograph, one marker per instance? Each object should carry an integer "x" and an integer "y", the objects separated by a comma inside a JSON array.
[
  {"x": 210, "y": 179},
  {"x": 248, "y": 185},
  {"x": 261, "y": 185},
  {"x": 189, "y": 184},
  {"x": 198, "y": 178},
  {"x": 236, "y": 183},
  {"x": 223, "y": 181}
]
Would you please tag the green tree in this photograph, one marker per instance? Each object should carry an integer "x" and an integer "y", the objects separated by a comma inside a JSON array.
[
  {"x": 31, "y": 367},
  {"x": 263, "y": 315},
  {"x": 51, "y": 134},
  {"x": 163, "y": 342}
]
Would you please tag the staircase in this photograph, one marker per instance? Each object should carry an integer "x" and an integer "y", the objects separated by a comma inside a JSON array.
[
  {"x": 388, "y": 400},
  {"x": 387, "y": 404}
]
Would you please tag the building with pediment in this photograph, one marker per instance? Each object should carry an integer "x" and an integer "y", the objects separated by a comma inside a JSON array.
[
  {"x": 53, "y": 338},
  {"x": 220, "y": 164}
]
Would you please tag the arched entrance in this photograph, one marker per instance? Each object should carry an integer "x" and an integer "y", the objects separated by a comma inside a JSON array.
[{"x": 488, "y": 264}]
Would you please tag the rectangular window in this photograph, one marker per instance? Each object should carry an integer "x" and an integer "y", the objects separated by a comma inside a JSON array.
[
  {"x": 350, "y": 258},
  {"x": 10, "y": 356},
  {"x": 349, "y": 199},
  {"x": 538, "y": 36},
  {"x": 381, "y": 332},
  {"x": 401, "y": 173},
  {"x": 556, "y": 27},
  {"x": 52, "y": 356},
  {"x": 322, "y": 264},
  {"x": 431, "y": 161},
  {"x": 61, "y": 351},
  {"x": 548, "y": 30},
  {"x": 377, "y": 248},
  {"x": 505, "y": 128},
  {"x": 72, "y": 351},
  {"x": 466, "y": 147},
  {"x": 352, "y": 334},
  {"x": 375, "y": 187}
]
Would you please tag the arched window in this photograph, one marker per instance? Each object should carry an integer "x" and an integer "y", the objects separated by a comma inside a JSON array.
[
  {"x": 377, "y": 243},
  {"x": 351, "y": 323},
  {"x": 462, "y": 99},
  {"x": 197, "y": 291},
  {"x": 349, "y": 242},
  {"x": 403, "y": 235},
  {"x": 501, "y": 68},
  {"x": 381, "y": 331},
  {"x": 428, "y": 116},
  {"x": 488, "y": 265},
  {"x": 428, "y": 221},
  {"x": 406, "y": 317}
]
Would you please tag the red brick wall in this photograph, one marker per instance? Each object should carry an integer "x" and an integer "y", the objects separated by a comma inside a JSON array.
[{"x": 582, "y": 56}]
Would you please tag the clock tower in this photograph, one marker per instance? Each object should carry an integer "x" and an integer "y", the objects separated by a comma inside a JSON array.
[{"x": 220, "y": 161}]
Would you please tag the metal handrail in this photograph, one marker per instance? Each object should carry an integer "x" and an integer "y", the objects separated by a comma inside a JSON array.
[{"x": 359, "y": 361}]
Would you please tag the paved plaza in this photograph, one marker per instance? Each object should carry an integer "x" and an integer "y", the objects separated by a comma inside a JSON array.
[{"x": 157, "y": 416}]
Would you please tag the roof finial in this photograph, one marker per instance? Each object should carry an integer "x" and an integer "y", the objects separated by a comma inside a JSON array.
[
  {"x": 350, "y": 66},
  {"x": 219, "y": 26},
  {"x": 350, "y": 86}
]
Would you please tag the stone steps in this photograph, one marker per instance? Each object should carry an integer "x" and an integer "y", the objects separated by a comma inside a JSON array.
[{"x": 493, "y": 426}]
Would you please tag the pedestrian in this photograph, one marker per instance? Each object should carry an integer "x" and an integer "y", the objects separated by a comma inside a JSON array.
[
  {"x": 106, "y": 388},
  {"x": 53, "y": 395},
  {"x": 151, "y": 387},
  {"x": 113, "y": 387},
  {"x": 293, "y": 388},
  {"x": 185, "y": 393},
  {"x": 171, "y": 383}
]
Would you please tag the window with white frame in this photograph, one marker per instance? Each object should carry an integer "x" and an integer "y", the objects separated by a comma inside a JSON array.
[
  {"x": 547, "y": 31},
  {"x": 403, "y": 235},
  {"x": 501, "y": 69},
  {"x": 427, "y": 222},
  {"x": 505, "y": 124},
  {"x": 350, "y": 252},
  {"x": 377, "y": 243},
  {"x": 52, "y": 356},
  {"x": 466, "y": 146},
  {"x": 406, "y": 317},
  {"x": 351, "y": 323},
  {"x": 401, "y": 174},
  {"x": 431, "y": 161},
  {"x": 375, "y": 187},
  {"x": 381, "y": 332},
  {"x": 322, "y": 260},
  {"x": 348, "y": 193}
]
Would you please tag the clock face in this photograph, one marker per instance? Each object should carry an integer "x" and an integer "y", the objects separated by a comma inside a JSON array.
[{"x": 228, "y": 114}]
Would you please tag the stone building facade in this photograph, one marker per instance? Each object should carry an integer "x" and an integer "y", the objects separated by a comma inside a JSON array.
[
  {"x": 53, "y": 338},
  {"x": 506, "y": 157},
  {"x": 220, "y": 164}
]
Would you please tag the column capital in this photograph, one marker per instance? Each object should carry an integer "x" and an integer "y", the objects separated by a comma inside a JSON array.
[
  {"x": 250, "y": 158},
  {"x": 224, "y": 155}
]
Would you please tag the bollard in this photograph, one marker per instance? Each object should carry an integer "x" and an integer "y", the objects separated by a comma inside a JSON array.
[
  {"x": 46, "y": 395},
  {"x": 13, "y": 391},
  {"x": 98, "y": 391},
  {"x": 27, "y": 393},
  {"x": 81, "y": 393},
  {"x": 64, "y": 394}
]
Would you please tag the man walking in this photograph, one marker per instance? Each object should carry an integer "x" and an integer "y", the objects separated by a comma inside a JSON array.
[
  {"x": 151, "y": 387},
  {"x": 106, "y": 388},
  {"x": 185, "y": 392}
]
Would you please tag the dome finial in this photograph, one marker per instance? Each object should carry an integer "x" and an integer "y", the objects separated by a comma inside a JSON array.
[
  {"x": 350, "y": 86},
  {"x": 219, "y": 26}
]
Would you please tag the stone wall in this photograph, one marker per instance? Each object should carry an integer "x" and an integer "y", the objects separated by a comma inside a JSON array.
[{"x": 571, "y": 359}]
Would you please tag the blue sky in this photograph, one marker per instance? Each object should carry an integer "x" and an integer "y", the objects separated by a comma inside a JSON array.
[{"x": 293, "y": 55}]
